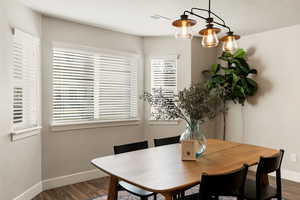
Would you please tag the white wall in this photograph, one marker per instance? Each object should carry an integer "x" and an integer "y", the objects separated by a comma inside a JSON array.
[
  {"x": 271, "y": 118},
  {"x": 20, "y": 161},
  {"x": 69, "y": 152}
]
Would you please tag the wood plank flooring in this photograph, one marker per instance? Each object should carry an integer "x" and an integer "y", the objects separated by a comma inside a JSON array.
[{"x": 98, "y": 187}]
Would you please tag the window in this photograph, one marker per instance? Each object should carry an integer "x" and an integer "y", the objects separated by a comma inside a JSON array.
[
  {"x": 26, "y": 75},
  {"x": 164, "y": 77},
  {"x": 92, "y": 86}
]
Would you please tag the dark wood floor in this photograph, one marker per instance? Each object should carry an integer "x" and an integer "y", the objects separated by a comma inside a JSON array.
[{"x": 98, "y": 187}]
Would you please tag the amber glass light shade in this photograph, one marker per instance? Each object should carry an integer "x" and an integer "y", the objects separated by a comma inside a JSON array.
[
  {"x": 230, "y": 42},
  {"x": 209, "y": 36},
  {"x": 183, "y": 26}
]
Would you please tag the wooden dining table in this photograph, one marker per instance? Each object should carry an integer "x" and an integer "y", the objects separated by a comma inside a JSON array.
[{"x": 161, "y": 170}]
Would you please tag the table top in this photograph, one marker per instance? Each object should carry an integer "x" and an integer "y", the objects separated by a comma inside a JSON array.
[{"x": 161, "y": 169}]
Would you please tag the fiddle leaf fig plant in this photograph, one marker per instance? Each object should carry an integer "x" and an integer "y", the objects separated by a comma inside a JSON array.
[{"x": 233, "y": 80}]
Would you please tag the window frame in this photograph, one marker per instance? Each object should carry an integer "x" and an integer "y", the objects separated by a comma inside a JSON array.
[
  {"x": 93, "y": 123},
  {"x": 151, "y": 121},
  {"x": 19, "y": 131}
]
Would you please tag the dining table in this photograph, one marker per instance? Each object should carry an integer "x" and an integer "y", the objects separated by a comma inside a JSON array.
[{"x": 161, "y": 169}]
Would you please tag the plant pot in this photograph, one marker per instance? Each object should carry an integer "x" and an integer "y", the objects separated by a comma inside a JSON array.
[{"x": 193, "y": 142}]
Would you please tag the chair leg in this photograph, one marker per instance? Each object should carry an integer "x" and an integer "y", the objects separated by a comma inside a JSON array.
[
  {"x": 144, "y": 198},
  {"x": 154, "y": 196},
  {"x": 182, "y": 194}
]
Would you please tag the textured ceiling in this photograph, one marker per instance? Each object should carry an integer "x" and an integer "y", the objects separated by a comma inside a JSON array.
[{"x": 133, "y": 16}]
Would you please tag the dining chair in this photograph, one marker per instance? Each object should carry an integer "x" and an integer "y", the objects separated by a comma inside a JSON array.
[
  {"x": 260, "y": 189},
  {"x": 166, "y": 141},
  {"x": 228, "y": 184},
  {"x": 122, "y": 185}
]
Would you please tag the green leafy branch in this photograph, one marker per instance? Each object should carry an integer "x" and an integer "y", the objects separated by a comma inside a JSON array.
[{"x": 233, "y": 82}]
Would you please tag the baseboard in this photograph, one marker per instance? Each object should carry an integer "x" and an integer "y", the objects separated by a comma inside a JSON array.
[
  {"x": 290, "y": 175},
  {"x": 72, "y": 178},
  {"x": 31, "y": 192},
  {"x": 285, "y": 174}
]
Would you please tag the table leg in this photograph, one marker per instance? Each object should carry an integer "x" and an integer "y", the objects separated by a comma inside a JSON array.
[
  {"x": 265, "y": 179},
  {"x": 168, "y": 195},
  {"x": 113, "y": 188}
]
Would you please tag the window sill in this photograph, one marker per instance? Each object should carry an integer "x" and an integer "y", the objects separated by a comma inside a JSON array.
[
  {"x": 94, "y": 124},
  {"x": 25, "y": 133},
  {"x": 163, "y": 122}
]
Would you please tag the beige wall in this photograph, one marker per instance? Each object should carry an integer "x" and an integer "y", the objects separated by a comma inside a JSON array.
[
  {"x": 193, "y": 59},
  {"x": 202, "y": 59},
  {"x": 164, "y": 46},
  {"x": 69, "y": 152},
  {"x": 272, "y": 117},
  {"x": 20, "y": 161}
]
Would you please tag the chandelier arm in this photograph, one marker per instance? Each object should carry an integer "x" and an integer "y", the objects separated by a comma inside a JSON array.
[
  {"x": 223, "y": 25},
  {"x": 218, "y": 17},
  {"x": 201, "y": 9},
  {"x": 191, "y": 13},
  {"x": 214, "y": 14}
]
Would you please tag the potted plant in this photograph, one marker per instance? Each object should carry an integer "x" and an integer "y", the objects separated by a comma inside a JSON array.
[
  {"x": 195, "y": 105},
  {"x": 232, "y": 79}
]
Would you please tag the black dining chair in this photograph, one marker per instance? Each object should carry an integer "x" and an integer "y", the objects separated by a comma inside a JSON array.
[
  {"x": 122, "y": 185},
  {"x": 166, "y": 141},
  {"x": 260, "y": 189},
  {"x": 228, "y": 184}
]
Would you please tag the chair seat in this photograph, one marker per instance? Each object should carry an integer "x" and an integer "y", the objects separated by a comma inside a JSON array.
[
  {"x": 250, "y": 190},
  {"x": 134, "y": 189}
]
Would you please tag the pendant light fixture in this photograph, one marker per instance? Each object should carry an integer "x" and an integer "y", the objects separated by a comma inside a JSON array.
[
  {"x": 183, "y": 26},
  {"x": 230, "y": 42},
  {"x": 209, "y": 34}
]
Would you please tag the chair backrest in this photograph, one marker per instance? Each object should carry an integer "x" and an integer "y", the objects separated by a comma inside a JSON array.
[
  {"x": 268, "y": 165},
  {"x": 130, "y": 147},
  {"x": 228, "y": 184},
  {"x": 265, "y": 166},
  {"x": 166, "y": 141}
]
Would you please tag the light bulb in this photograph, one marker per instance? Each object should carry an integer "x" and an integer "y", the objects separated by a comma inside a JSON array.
[
  {"x": 230, "y": 44},
  {"x": 184, "y": 32},
  {"x": 210, "y": 39}
]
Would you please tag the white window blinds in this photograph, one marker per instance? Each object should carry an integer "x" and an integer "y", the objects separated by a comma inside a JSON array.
[
  {"x": 26, "y": 74},
  {"x": 90, "y": 86},
  {"x": 164, "y": 77}
]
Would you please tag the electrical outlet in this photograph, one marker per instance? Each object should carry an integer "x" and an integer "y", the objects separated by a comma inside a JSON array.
[{"x": 293, "y": 157}]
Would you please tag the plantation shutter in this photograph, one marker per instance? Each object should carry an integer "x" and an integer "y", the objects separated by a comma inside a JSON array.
[
  {"x": 91, "y": 86},
  {"x": 73, "y": 86},
  {"x": 164, "y": 77},
  {"x": 26, "y": 74},
  {"x": 117, "y": 89}
]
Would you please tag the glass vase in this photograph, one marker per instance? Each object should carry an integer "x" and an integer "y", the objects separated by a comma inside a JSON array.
[{"x": 194, "y": 132}]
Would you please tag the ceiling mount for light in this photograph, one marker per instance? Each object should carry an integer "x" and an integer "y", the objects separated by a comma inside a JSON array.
[
  {"x": 209, "y": 34},
  {"x": 157, "y": 17}
]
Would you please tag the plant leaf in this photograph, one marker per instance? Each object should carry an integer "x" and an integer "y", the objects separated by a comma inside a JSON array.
[
  {"x": 252, "y": 82},
  {"x": 227, "y": 54},
  {"x": 253, "y": 71},
  {"x": 215, "y": 68},
  {"x": 240, "y": 53},
  {"x": 235, "y": 78}
]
